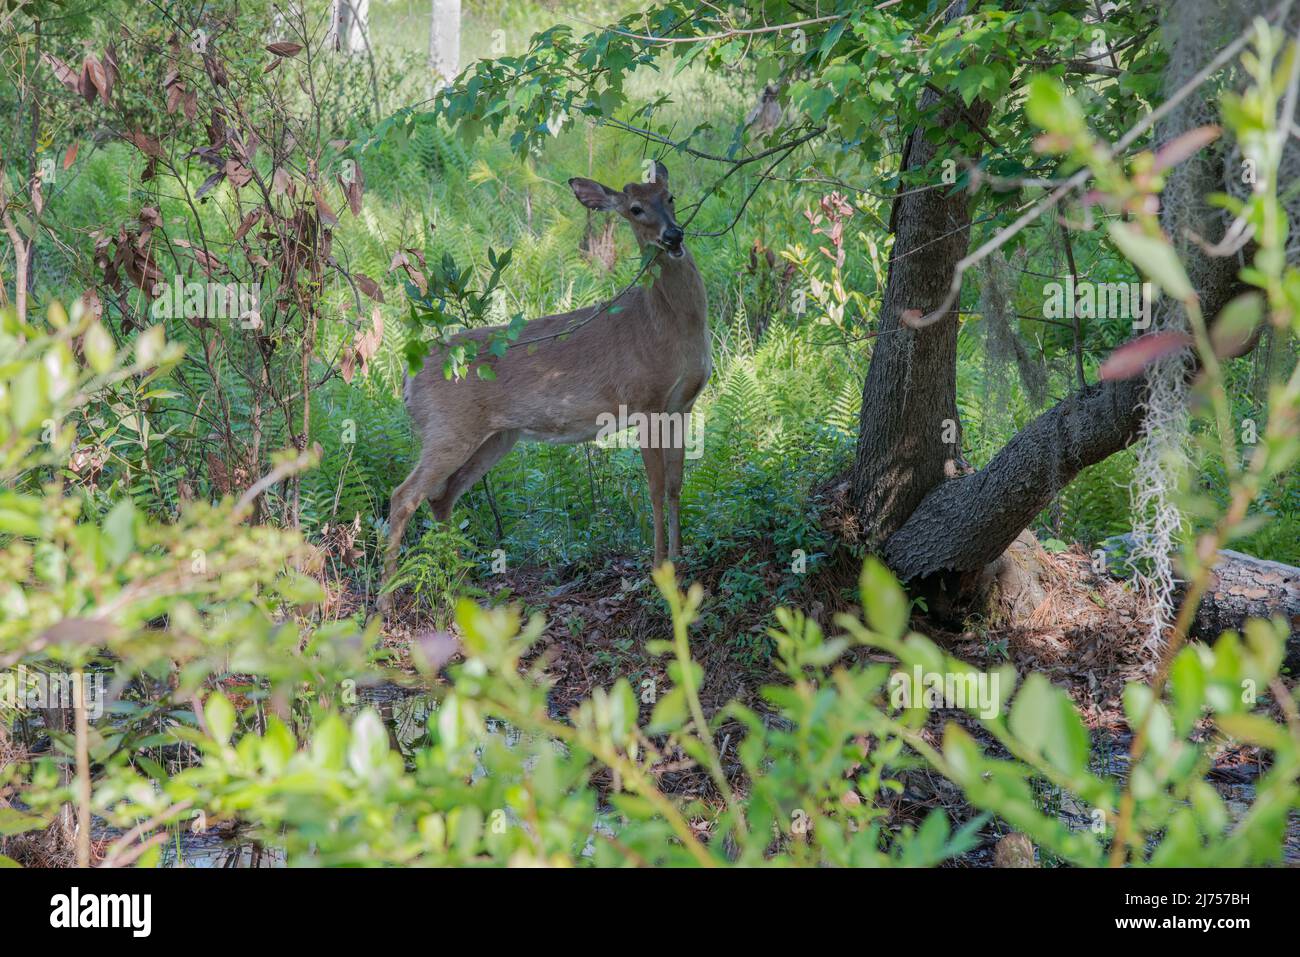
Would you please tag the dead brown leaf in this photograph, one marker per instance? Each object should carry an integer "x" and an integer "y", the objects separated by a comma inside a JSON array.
[{"x": 369, "y": 286}]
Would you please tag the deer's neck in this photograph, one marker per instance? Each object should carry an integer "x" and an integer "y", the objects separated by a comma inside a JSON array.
[{"x": 678, "y": 291}]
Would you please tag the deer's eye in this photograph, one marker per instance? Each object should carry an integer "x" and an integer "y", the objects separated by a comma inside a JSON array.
[{"x": 637, "y": 210}]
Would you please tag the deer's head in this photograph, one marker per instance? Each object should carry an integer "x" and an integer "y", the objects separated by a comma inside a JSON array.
[{"x": 648, "y": 208}]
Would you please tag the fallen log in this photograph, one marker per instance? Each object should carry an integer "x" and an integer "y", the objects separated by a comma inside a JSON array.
[{"x": 1241, "y": 587}]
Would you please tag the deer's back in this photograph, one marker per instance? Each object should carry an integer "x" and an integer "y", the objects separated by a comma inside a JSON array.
[{"x": 564, "y": 370}]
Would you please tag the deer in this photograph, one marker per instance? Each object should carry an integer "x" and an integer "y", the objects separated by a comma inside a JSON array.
[{"x": 646, "y": 351}]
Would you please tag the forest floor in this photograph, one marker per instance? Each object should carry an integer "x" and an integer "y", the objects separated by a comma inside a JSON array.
[{"x": 1086, "y": 635}]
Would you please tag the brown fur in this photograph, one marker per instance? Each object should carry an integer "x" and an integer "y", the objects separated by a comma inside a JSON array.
[{"x": 649, "y": 353}]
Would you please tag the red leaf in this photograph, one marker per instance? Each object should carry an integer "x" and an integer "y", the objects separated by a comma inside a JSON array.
[
  {"x": 98, "y": 77},
  {"x": 85, "y": 85},
  {"x": 238, "y": 173},
  {"x": 247, "y": 223},
  {"x": 326, "y": 214},
  {"x": 209, "y": 262},
  {"x": 64, "y": 73},
  {"x": 1132, "y": 358},
  {"x": 110, "y": 70},
  {"x": 71, "y": 155},
  {"x": 434, "y": 649},
  {"x": 145, "y": 144},
  {"x": 1182, "y": 147},
  {"x": 353, "y": 192},
  {"x": 90, "y": 298}
]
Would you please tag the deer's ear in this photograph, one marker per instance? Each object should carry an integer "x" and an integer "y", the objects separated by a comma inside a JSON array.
[
  {"x": 593, "y": 195},
  {"x": 661, "y": 173}
]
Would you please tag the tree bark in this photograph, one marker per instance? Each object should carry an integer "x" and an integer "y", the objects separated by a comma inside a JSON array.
[
  {"x": 1246, "y": 587},
  {"x": 909, "y": 433},
  {"x": 444, "y": 40},
  {"x": 967, "y": 522},
  {"x": 352, "y": 25},
  {"x": 1241, "y": 587},
  {"x": 961, "y": 524}
]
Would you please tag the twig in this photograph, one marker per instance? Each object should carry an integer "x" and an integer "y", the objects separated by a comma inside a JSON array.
[
  {"x": 731, "y": 32},
  {"x": 83, "y": 771}
]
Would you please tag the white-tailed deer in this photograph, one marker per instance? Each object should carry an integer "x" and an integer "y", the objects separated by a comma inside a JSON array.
[{"x": 647, "y": 352}]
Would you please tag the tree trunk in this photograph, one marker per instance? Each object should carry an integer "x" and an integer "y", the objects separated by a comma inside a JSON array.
[
  {"x": 444, "y": 40},
  {"x": 965, "y": 523},
  {"x": 925, "y": 524},
  {"x": 909, "y": 433},
  {"x": 351, "y": 25}
]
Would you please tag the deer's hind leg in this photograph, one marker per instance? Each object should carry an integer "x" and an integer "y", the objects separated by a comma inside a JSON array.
[
  {"x": 428, "y": 480},
  {"x": 484, "y": 458}
]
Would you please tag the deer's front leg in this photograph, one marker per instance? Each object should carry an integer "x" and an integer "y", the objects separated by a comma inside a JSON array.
[
  {"x": 674, "y": 465},
  {"x": 654, "y": 472}
]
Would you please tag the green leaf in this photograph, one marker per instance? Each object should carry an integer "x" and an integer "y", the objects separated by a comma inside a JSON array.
[
  {"x": 119, "y": 532},
  {"x": 1051, "y": 108},
  {"x": 883, "y": 599},
  {"x": 16, "y": 523},
  {"x": 149, "y": 345},
  {"x": 369, "y": 743},
  {"x": 220, "y": 716},
  {"x": 1155, "y": 257},
  {"x": 99, "y": 348},
  {"x": 972, "y": 80},
  {"x": 1187, "y": 684},
  {"x": 670, "y": 712},
  {"x": 1254, "y": 729},
  {"x": 13, "y": 821},
  {"x": 1044, "y": 719},
  {"x": 1236, "y": 323}
]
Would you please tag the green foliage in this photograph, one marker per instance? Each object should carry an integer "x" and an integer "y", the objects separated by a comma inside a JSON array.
[
  {"x": 436, "y": 572},
  {"x": 241, "y": 703},
  {"x": 500, "y": 779}
]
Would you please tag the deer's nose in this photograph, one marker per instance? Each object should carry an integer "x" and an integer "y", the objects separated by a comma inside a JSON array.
[{"x": 672, "y": 236}]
